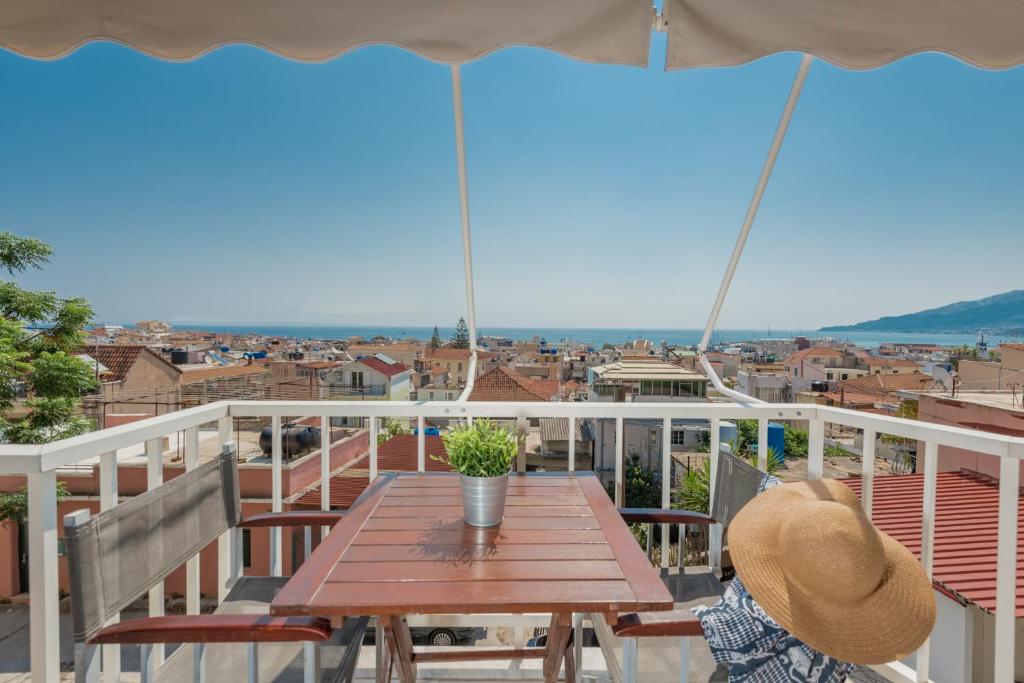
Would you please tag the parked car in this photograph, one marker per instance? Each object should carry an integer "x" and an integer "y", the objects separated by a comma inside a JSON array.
[
  {"x": 437, "y": 635},
  {"x": 589, "y": 639}
]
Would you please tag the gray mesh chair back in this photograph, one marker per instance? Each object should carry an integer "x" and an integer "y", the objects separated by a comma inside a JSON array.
[
  {"x": 736, "y": 483},
  {"x": 117, "y": 555}
]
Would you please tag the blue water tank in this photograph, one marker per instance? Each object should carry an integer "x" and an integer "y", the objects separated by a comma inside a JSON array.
[
  {"x": 777, "y": 438},
  {"x": 727, "y": 431},
  {"x": 428, "y": 431}
]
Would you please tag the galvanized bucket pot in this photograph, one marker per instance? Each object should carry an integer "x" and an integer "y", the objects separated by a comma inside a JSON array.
[{"x": 483, "y": 499}]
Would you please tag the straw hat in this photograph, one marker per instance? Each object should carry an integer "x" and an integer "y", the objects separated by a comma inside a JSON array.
[{"x": 816, "y": 564}]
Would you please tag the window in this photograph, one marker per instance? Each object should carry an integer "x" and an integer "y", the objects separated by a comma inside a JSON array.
[
  {"x": 678, "y": 437},
  {"x": 846, "y": 375},
  {"x": 247, "y": 548},
  {"x": 460, "y": 367},
  {"x": 828, "y": 375},
  {"x": 653, "y": 437},
  {"x": 357, "y": 379}
]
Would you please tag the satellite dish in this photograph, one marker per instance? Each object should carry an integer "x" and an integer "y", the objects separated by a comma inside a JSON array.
[{"x": 942, "y": 376}]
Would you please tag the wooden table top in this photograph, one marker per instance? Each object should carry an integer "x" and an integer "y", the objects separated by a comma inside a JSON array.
[{"x": 403, "y": 548}]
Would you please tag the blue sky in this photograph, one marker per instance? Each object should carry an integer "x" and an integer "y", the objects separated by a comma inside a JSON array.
[{"x": 246, "y": 188}]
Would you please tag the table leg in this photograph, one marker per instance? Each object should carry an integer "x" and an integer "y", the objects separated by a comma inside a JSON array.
[
  {"x": 558, "y": 639},
  {"x": 570, "y": 658},
  {"x": 396, "y": 628},
  {"x": 383, "y": 652}
]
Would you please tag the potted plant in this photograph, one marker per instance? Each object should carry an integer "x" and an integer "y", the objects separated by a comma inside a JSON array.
[{"x": 482, "y": 454}]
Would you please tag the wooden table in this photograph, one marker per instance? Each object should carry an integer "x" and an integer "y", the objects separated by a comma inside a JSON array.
[{"x": 403, "y": 548}]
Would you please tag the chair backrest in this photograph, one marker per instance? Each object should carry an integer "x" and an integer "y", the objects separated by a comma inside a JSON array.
[
  {"x": 736, "y": 483},
  {"x": 116, "y": 556}
]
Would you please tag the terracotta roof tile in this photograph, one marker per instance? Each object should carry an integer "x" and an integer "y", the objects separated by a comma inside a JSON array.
[
  {"x": 119, "y": 359},
  {"x": 386, "y": 369},
  {"x": 221, "y": 372},
  {"x": 966, "y": 530},
  {"x": 502, "y": 384}
]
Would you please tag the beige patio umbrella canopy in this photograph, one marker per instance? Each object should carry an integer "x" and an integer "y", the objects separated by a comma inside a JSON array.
[{"x": 855, "y": 34}]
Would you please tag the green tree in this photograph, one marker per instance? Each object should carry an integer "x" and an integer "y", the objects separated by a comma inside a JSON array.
[
  {"x": 435, "y": 340},
  {"x": 643, "y": 484},
  {"x": 460, "y": 340},
  {"x": 795, "y": 442},
  {"x": 694, "y": 490},
  {"x": 38, "y": 333}
]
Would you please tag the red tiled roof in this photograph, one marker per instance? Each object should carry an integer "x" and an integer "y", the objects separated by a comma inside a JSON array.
[
  {"x": 221, "y": 372},
  {"x": 399, "y": 454},
  {"x": 386, "y": 369},
  {"x": 813, "y": 351},
  {"x": 1015, "y": 347},
  {"x": 966, "y": 529},
  {"x": 502, "y": 384},
  {"x": 344, "y": 491},
  {"x": 119, "y": 359},
  {"x": 889, "y": 383}
]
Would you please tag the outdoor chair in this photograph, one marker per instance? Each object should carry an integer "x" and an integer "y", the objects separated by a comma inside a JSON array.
[
  {"x": 115, "y": 557},
  {"x": 736, "y": 483}
]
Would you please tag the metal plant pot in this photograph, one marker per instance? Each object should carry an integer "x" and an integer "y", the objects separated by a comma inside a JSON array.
[{"x": 483, "y": 499}]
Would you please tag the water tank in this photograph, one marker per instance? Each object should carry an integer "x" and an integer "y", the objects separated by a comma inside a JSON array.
[
  {"x": 777, "y": 438},
  {"x": 179, "y": 357},
  {"x": 727, "y": 431},
  {"x": 295, "y": 439},
  {"x": 818, "y": 385}
]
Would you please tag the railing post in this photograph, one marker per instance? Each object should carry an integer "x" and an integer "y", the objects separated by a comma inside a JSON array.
[
  {"x": 44, "y": 606},
  {"x": 762, "y": 444},
  {"x": 325, "y": 468},
  {"x": 816, "y": 448},
  {"x": 572, "y": 443},
  {"x": 620, "y": 483},
  {"x": 225, "y": 545},
  {"x": 714, "y": 530},
  {"x": 374, "y": 430},
  {"x": 108, "y": 500},
  {"x": 421, "y": 445},
  {"x": 666, "y": 483},
  {"x": 276, "y": 565},
  {"x": 192, "y": 589},
  {"x": 867, "y": 470},
  {"x": 1006, "y": 568},
  {"x": 154, "y": 478},
  {"x": 931, "y": 460}
]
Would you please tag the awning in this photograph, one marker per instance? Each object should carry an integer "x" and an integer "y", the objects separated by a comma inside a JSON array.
[
  {"x": 451, "y": 31},
  {"x": 854, "y": 34}
]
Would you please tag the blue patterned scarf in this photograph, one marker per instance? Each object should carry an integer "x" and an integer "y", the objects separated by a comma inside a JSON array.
[{"x": 758, "y": 650}]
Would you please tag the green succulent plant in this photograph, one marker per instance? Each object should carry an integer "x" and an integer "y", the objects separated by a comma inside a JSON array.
[{"x": 481, "y": 449}]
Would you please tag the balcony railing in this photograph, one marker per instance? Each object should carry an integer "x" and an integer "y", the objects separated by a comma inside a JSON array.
[{"x": 39, "y": 463}]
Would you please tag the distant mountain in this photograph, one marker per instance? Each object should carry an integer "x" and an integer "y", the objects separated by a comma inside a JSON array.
[{"x": 999, "y": 314}]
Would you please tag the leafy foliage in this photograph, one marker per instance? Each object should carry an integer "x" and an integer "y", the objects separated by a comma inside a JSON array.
[
  {"x": 795, "y": 442},
  {"x": 14, "y": 506},
  {"x": 694, "y": 489},
  {"x": 460, "y": 340},
  {"x": 481, "y": 449},
  {"x": 389, "y": 429},
  {"x": 643, "y": 484},
  {"x": 39, "y": 363},
  {"x": 435, "y": 340}
]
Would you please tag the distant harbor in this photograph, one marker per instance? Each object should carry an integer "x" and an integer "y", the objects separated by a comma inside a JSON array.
[{"x": 586, "y": 336}]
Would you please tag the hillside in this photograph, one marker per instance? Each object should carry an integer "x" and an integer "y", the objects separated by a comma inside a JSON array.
[{"x": 1002, "y": 313}]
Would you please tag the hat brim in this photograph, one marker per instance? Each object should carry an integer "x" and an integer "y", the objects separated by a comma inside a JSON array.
[{"x": 889, "y": 624}]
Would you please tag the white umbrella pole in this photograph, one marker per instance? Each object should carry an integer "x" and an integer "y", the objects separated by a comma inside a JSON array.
[
  {"x": 467, "y": 244},
  {"x": 748, "y": 222}
]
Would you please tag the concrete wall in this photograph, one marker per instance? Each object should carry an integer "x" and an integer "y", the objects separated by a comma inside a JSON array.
[
  {"x": 952, "y": 653},
  {"x": 951, "y": 411}
]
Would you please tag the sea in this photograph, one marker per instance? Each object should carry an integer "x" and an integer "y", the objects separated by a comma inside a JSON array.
[{"x": 595, "y": 336}]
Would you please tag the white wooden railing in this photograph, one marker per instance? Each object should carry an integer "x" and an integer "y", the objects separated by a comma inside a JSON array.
[{"x": 39, "y": 463}]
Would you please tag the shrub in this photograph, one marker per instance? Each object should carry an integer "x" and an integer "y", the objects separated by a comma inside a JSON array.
[{"x": 480, "y": 449}]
